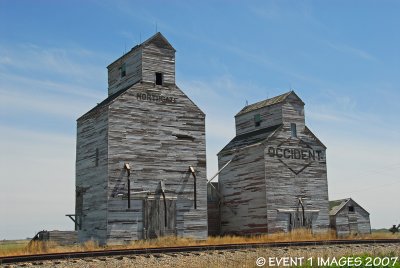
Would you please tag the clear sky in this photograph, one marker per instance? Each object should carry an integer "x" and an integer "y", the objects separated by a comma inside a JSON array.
[{"x": 341, "y": 57}]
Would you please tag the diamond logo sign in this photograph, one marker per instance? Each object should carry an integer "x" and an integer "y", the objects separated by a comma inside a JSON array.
[{"x": 296, "y": 154}]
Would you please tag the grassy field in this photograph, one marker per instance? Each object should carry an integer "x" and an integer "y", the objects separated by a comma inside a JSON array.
[
  {"x": 21, "y": 247},
  {"x": 9, "y": 246}
]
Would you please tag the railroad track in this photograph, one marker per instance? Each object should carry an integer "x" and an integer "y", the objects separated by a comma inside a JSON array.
[{"x": 162, "y": 250}]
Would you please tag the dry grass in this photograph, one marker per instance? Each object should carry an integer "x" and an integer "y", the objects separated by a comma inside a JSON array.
[
  {"x": 15, "y": 247},
  {"x": 297, "y": 235}
]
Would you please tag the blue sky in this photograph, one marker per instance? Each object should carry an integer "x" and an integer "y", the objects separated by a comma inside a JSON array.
[{"x": 341, "y": 57}]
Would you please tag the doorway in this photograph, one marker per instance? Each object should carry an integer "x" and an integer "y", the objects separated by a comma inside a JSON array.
[{"x": 160, "y": 217}]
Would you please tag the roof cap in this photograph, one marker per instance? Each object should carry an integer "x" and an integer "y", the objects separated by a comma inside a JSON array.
[
  {"x": 267, "y": 102},
  {"x": 157, "y": 38}
]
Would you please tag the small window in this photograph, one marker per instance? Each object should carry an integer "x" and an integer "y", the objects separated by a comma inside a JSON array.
[
  {"x": 184, "y": 137},
  {"x": 351, "y": 208},
  {"x": 257, "y": 120},
  {"x": 122, "y": 70},
  {"x": 293, "y": 130},
  {"x": 159, "y": 79},
  {"x": 97, "y": 157}
]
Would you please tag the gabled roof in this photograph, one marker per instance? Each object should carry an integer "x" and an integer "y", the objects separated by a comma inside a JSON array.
[
  {"x": 335, "y": 206},
  {"x": 250, "y": 138},
  {"x": 107, "y": 101},
  {"x": 145, "y": 85},
  {"x": 158, "y": 39},
  {"x": 308, "y": 131},
  {"x": 267, "y": 102}
]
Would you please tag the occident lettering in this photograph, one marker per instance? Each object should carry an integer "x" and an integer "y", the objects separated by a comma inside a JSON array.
[
  {"x": 293, "y": 153},
  {"x": 155, "y": 98}
]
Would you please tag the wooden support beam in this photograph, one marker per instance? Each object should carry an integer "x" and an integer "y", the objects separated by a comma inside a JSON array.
[
  {"x": 162, "y": 186},
  {"x": 219, "y": 171},
  {"x": 74, "y": 219}
]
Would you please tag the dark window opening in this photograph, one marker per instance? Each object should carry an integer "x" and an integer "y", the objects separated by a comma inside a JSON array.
[
  {"x": 97, "y": 157},
  {"x": 122, "y": 70},
  {"x": 159, "y": 79},
  {"x": 184, "y": 137},
  {"x": 293, "y": 130},
  {"x": 257, "y": 120},
  {"x": 351, "y": 208}
]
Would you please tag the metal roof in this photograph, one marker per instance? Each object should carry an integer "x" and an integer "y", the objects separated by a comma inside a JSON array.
[
  {"x": 336, "y": 205},
  {"x": 250, "y": 138},
  {"x": 265, "y": 103},
  {"x": 107, "y": 101}
]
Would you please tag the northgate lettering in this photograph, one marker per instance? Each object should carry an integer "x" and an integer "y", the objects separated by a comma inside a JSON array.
[
  {"x": 291, "y": 153},
  {"x": 155, "y": 98}
]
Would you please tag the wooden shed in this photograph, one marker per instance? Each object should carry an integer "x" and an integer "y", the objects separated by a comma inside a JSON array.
[
  {"x": 276, "y": 180},
  {"x": 347, "y": 217},
  {"x": 63, "y": 238},
  {"x": 141, "y": 155}
]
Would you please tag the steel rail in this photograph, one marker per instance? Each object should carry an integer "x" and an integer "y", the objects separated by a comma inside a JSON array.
[{"x": 141, "y": 251}]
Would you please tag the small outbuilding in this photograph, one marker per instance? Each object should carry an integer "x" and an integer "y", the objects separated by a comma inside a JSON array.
[
  {"x": 347, "y": 217},
  {"x": 62, "y": 238}
]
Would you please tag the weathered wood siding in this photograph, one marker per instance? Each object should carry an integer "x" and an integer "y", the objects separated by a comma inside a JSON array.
[
  {"x": 160, "y": 132},
  {"x": 288, "y": 179},
  {"x": 142, "y": 63},
  {"x": 347, "y": 222},
  {"x": 92, "y": 175},
  {"x": 242, "y": 185},
  {"x": 270, "y": 116},
  {"x": 263, "y": 188},
  {"x": 363, "y": 221},
  {"x": 213, "y": 209},
  {"x": 124, "y": 224},
  {"x": 64, "y": 238},
  {"x": 293, "y": 112},
  {"x": 157, "y": 57},
  {"x": 160, "y": 216},
  {"x": 133, "y": 68},
  {"x": 213, "y": 218},
  {"x": 160, "y": 137}
]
